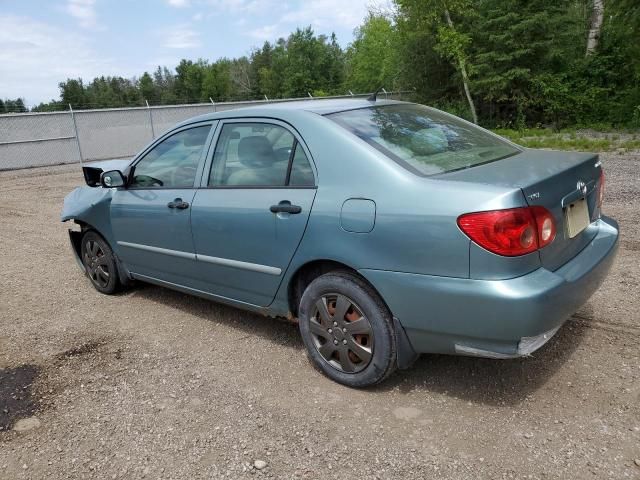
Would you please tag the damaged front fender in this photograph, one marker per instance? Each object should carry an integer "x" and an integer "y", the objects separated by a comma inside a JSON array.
[
  {"x": 80, "y": 202},
  {"x": 90, "y": 207}
]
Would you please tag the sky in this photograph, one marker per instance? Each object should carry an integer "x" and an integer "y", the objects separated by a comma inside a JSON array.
[{"x": 44, "y": 42}]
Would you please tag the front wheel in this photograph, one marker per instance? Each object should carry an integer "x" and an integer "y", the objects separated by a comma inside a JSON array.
[
  {"x": 99, "y": 263},
  {"x": 347, "y": 330}
]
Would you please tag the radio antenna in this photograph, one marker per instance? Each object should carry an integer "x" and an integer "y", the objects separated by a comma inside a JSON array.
[{"x": 374, "y": 96}]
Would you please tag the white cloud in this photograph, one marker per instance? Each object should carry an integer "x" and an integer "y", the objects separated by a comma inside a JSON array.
[
  {"x": 327, "y": 14},
  {"x": 84, "y": 11},
  {"x": 267, "y": 32},
  {"x": 182, "y": 36},
  {"x": 324, "y": 16},
  {"x": 249, "y": 7},
  {"x": 35, "y": 57},
  {"x": 179, "y": 3}
]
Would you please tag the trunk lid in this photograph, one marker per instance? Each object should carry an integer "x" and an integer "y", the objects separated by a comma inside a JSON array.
[{"x": 551, "y": 179}]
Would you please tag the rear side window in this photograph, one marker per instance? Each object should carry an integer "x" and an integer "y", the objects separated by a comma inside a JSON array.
[
  {"x": 301, "y": 173},
  {"x": 259, "y": 155},
  {"x": 424, "y": 140}
]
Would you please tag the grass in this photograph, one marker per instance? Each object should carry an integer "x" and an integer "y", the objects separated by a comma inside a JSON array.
[{"x": 572, "y": 139}]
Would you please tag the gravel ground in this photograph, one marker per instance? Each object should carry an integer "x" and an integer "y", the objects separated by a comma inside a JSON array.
[{"x": 156, "y": 384}]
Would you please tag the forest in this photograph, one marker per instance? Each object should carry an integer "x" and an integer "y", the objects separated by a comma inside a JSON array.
[{"x": 500, "y": 63}]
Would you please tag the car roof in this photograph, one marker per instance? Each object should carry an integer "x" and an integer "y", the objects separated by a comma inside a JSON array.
[{"x": 281, "y": 109}]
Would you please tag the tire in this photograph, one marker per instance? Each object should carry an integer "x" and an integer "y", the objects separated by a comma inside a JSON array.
[
  {"x": 99, "y": 263},
  {"x": 346, "y": 349}
]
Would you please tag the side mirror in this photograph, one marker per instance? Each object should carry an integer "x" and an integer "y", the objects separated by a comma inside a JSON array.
[{"x": 111, "y": 179}]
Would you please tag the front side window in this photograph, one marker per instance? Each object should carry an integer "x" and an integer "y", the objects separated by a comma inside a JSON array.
[
  {"x": 173, "y": 162},
  {"x": 258, "y": 154},
  {"x": 424, "y": 140}
]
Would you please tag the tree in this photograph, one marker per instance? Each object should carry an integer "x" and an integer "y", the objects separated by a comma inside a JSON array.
[
  {"x": 373, "y": 57},
  {"x": 148, "y": 89},
  {"x": 188, "y": 81},
  {"x": 436, "y": 16},
  {"x": 498, "y": 62},
  {"x": 597, "y": 17},
  {"x": 216, "y": 84},
  {"x": 240, "y": 73},
  {"x": 72, "y": 92},
  {"x": 521, "y": 49}
]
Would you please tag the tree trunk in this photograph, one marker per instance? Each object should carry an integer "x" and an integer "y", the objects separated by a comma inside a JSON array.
[
  {"x": 597, "y": 17},
  {"x": 463, "y": 73}
]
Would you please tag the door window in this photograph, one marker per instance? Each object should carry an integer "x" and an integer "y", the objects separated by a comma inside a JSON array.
[
  {"x": 257, "y": 154},
  {"x": 301, "y": 173},
  {"x": 173, "y": 162}
]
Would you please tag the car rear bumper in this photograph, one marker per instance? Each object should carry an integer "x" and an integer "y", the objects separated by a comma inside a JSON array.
[{"x": 495, "y": 318}]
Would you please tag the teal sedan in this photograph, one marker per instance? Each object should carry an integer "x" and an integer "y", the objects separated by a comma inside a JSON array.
[{"x": 386, "y": 229}]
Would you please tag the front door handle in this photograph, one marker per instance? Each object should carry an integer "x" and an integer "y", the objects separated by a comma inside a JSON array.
[
  {"x": 285, "y": 207},
  {"x": 179, "y": 204}
]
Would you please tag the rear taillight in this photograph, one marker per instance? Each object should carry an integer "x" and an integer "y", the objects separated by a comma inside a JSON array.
[
  {"x": 511, "y": 232},
  {"x": 601, "y": 190}
]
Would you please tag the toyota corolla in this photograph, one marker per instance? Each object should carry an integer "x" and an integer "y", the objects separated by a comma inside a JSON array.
[{"x": 387, "y": 229}]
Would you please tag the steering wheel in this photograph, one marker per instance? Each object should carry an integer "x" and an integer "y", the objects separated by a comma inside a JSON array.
[{"x": 147, "y": 181}]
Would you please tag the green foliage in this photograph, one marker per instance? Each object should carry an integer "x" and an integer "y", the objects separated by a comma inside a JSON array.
[
  {"x": 373, "y": 57},
  {"x": 292, "y": 67},
  {"x": 12, "y": 106},
  {"x": 525, "y": 61},
  {"x": 571, "y": 139}
]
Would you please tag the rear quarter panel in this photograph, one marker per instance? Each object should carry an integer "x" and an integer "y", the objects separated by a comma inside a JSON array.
[{"x": 415, "y": 221}]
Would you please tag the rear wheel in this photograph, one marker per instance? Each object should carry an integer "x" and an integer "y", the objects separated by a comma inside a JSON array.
[
  {"x": 347, "y": 330},
  {"x": 99, "y": 263}
]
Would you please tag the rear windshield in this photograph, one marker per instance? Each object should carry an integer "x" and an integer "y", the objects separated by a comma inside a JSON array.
[{"x": 422, "y": 139}]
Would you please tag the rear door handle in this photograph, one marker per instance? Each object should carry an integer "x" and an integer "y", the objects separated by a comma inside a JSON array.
[
  {"x": 285, "y": 207},
  {"x": 179, "y": 204}
]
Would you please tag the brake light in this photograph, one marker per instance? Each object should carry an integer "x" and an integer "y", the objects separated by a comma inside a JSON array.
[
  {"x": 511, "y": 232},
  {"x": 601, "y": 190}
]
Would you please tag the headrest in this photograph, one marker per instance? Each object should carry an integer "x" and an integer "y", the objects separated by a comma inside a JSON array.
[{"x": 255, "y": 151}]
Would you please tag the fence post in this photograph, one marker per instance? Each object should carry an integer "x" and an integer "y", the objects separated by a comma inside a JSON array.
[
  {"x": 153, "y": 132},
  {"x": 75, "y": 130},
  {"x": 213, "y": 103}
]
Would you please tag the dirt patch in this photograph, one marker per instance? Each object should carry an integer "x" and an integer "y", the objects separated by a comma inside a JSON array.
[
  {"x": 16, "y": 394},
  {"x": 158, "y": 384},
  {"x": 82, "y": 349}
]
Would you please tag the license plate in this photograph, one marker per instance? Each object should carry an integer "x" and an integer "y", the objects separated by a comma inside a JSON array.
[{"x": 577, "y": 217}]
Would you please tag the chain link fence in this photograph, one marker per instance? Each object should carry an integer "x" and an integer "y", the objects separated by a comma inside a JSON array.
[{"x": 55, "y": 138}]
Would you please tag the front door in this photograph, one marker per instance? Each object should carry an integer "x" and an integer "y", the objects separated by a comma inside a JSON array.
[
  {"x": 249, "y": 216},
  {"x": 151, "y": 217}
]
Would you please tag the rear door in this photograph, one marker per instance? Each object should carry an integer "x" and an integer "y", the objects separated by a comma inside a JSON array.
[
  {"x": 151, "y": 218},
  {"x": 252, "y": 210}
]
